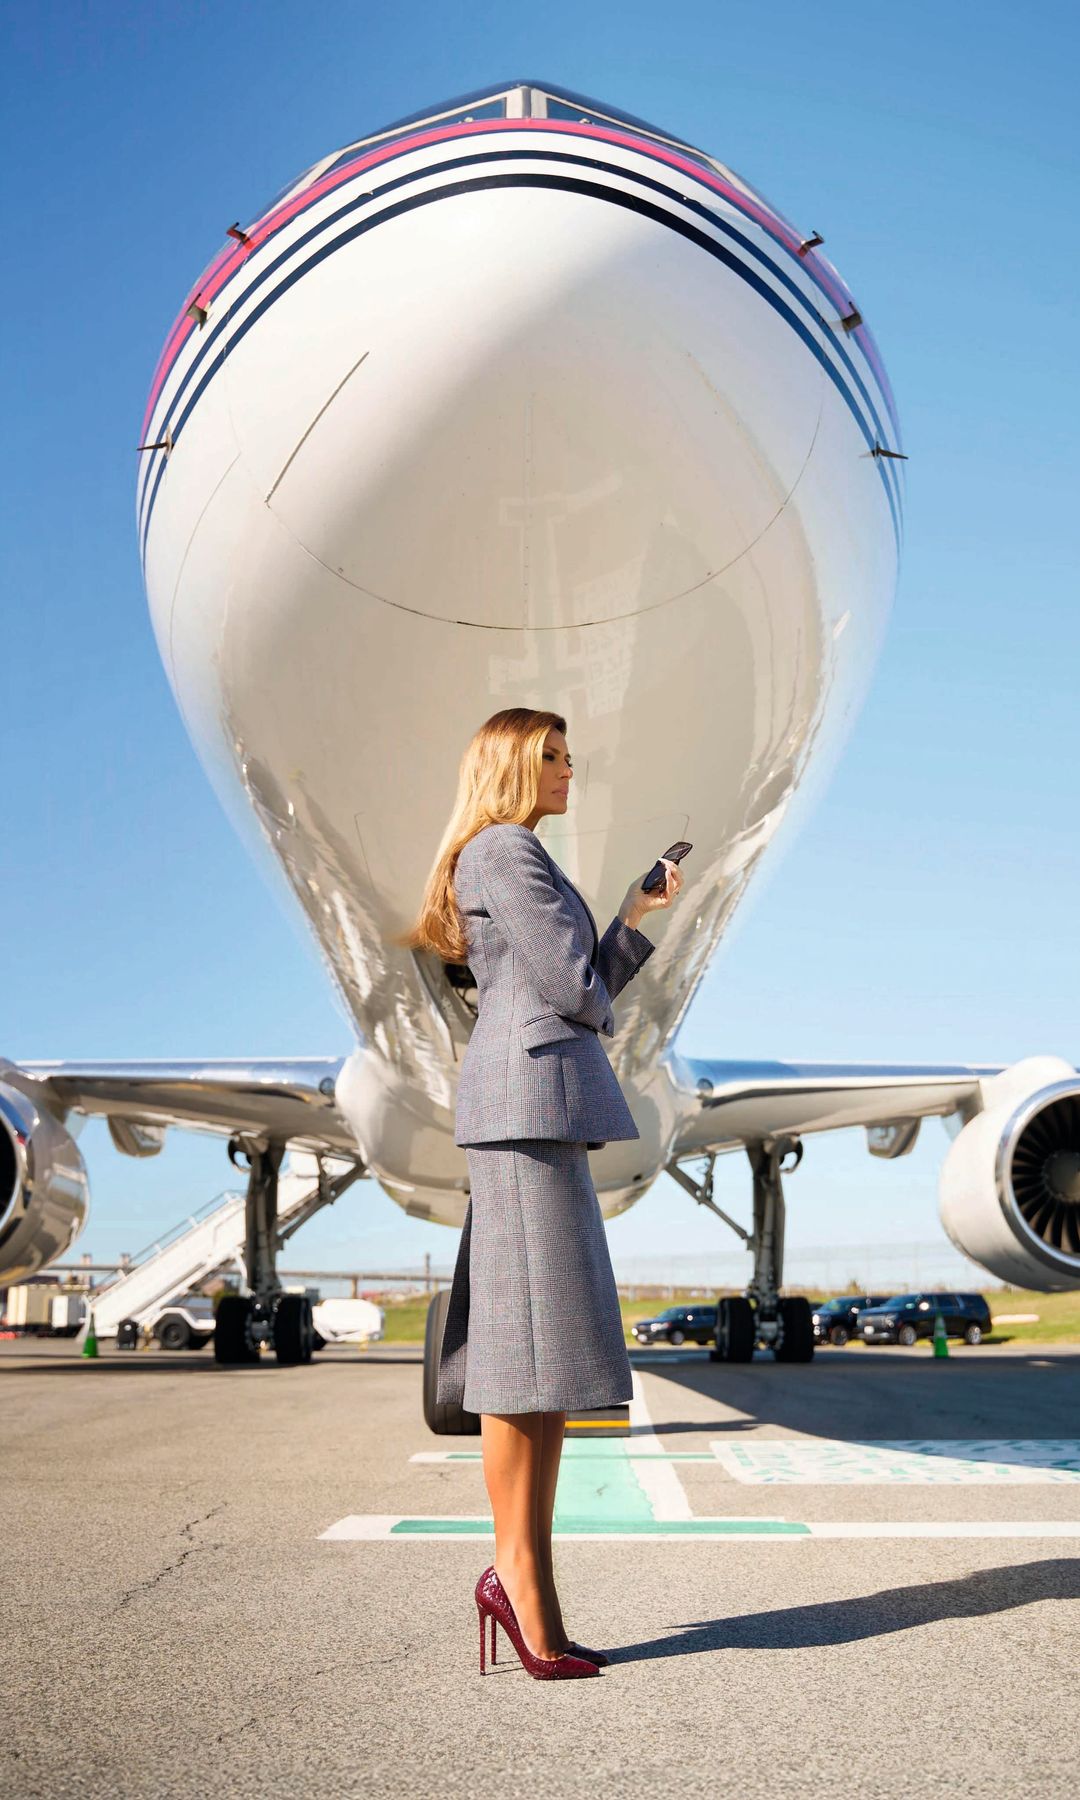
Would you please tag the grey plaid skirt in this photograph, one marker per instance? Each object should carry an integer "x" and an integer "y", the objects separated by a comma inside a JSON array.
[{"x": 533, "y": 1322}]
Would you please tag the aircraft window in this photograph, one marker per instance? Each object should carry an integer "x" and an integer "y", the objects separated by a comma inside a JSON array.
[
  {"x": 562, "y": 109},
  {"x": 483, "y": 109}
]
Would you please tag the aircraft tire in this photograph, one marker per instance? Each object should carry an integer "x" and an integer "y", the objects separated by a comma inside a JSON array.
[
  {"x": 798, "y": 1339},
  {"x": 735, "y": 1331},
  {"x": 446, "y": 1419},
  {"x": 231, "y": 1342},
  {"x": 293, "y": 1330}
]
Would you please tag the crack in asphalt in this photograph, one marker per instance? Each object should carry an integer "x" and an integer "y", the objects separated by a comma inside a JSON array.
[{"x": 193, "y": 1549}]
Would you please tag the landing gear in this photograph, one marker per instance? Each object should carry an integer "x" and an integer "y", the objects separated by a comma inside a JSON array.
[
  {"x": 763, "y": 1316},
  {"x": 267, "y": 1315},
  {"x": 734, "y": 1331}
]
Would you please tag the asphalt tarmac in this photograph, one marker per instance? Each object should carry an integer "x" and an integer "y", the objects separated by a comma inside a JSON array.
[{"x": 858, "y": 1576}]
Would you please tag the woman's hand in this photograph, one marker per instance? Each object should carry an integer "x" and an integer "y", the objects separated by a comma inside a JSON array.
[{"x": 637, "y": 902}]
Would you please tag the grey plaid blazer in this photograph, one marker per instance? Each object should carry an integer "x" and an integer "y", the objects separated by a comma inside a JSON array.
[{"x": 534, "y": 1066}]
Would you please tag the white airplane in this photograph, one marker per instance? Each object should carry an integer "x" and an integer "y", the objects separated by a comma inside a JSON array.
[{"x": 525, "y": 401}]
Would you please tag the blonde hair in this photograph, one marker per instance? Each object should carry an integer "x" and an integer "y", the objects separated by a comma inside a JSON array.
[{"x": 498, "y": 783}]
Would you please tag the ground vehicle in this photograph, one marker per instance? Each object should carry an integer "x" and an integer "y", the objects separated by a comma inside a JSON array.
[
  {"x": 835, "y": 1321},
  {"x": 910, "y": 1316},
  {"x": 677, "y": 1325},
  {"x": 186, "y": 1322}
]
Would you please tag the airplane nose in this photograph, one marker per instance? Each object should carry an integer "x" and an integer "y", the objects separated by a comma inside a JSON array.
[{"x": 522, "y": 411}]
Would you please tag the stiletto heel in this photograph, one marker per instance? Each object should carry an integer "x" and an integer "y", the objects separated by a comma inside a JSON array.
[{"x": 493, "y": 1600}]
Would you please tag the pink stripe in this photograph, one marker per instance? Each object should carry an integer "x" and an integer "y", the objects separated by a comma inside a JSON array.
[{"x": 218, "y": 272}]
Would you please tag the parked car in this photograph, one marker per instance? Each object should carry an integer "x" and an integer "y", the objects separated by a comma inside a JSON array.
[
  {"x": 835, "y": 1321},
  {"x": 678, "y": 1325},
  {"x": 186, "y": 1322},
  {"x": 910, "y": 1316}
]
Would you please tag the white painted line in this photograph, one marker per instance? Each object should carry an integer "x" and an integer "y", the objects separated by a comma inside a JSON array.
[
  {"x": 380, "y": 1527},
  {"x": 361, "y": 1525},
  {"x": 955, "y": 1528},
  {"x": 658, "y": 1481}
]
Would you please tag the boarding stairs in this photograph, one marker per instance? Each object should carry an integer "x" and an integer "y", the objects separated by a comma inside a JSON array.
[{"x": 201, "y": 1244}]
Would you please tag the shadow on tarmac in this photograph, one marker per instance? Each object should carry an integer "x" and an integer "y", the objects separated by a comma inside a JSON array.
[
  {"x": 977, "y": 1595},
  {"x": 854, "y": 1398},
  {"x": 178, "y": 1363}
]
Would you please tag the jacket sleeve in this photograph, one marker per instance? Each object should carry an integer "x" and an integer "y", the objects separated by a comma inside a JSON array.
[
  {"x": 623, "y": 950},
  {"x": 539, "y": 924}
]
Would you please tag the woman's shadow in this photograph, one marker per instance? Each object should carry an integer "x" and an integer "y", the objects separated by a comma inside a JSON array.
[{"x": 870, "y": 1615}]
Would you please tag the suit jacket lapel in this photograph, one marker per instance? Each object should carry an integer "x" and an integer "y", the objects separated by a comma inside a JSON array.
[{"x": 580, "y": 898}]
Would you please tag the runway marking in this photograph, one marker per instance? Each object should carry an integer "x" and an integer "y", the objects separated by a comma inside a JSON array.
[
  {"x": 475, "y": 1456},
  {"x": 388, "y": 1527},
  {"x": 836, "y": 1462}
]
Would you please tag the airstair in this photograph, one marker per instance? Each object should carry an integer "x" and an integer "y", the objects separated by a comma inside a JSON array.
[{"x": 200, "y": 1245}]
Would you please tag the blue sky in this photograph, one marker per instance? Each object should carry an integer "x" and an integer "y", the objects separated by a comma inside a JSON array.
[{"x": 928, "y": 910}]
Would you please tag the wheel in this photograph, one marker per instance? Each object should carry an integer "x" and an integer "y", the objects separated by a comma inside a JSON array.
[
  {"x": 735, "y": 1331},
  {"x": 200, "y": 1343},
  {"x": 839, "y": 1336},
  {"x": 797, "y": 1338},
  {"x": 906, "y": 1334},
  {"x": 318, "y": 1342},
  {"x": 973, "y": 1334},
  {"x": 447, "y": 1419},
  {"x": 232, "y": 1341},
  {"x": 676, "y": 1336},
  {"x": 293, "y": 1329},
  {"x": 174, "y": 1334}
]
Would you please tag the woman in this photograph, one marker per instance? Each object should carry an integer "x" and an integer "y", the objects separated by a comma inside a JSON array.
[{"x": 533, "y": 1327}]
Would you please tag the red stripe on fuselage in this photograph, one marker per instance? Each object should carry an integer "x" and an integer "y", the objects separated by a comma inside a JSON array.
[{"x": 228, "y": 260}]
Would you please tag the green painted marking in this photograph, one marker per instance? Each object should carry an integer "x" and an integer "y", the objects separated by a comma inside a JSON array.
[
  {"x": 597, "y": 1483},
  {"x": 618, "y": 1527}
]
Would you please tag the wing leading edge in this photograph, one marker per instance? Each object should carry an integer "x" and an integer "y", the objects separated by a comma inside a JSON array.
[
  {"x": 291, "y": 1101},
  {"x": 725, "y": 1105}
]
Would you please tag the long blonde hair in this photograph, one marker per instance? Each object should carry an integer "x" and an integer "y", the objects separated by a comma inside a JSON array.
[{"x": 498, "y": 783}]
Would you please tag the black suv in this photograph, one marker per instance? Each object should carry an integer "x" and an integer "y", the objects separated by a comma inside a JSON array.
[
  {"x": 835, "y": 1321},
  {"x": 910, "y": 1316},
  {"x": 678, "y": 1325}
]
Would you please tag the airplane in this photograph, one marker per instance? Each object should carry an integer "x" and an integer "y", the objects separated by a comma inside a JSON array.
[{"x": 522, "y": 400}]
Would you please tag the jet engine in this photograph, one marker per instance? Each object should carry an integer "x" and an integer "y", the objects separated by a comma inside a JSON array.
[
  {"x": 1009, "y": 1188},
  {"x": 44, "y": 1191}
]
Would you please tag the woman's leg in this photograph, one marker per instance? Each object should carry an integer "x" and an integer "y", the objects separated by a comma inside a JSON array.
[
  {"x": 551, "y": 1443},
  {"x": 512, "y": 1444}
]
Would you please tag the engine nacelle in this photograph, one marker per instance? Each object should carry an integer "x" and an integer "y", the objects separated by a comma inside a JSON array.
[
  {"x": 44, "y": 1191},
  {"x": 1009, "y": 1188}
]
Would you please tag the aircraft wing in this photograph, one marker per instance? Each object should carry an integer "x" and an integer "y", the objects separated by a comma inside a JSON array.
[
  {"x": 727, "y": 1104},
  {"x": 293, "y": 1101}
]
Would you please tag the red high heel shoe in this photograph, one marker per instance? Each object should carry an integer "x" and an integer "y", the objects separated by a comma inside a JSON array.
[{"x": 493, "y": 1601}]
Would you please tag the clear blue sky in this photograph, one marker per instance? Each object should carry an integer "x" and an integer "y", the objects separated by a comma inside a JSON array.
[{"x": 927, "y": 912}]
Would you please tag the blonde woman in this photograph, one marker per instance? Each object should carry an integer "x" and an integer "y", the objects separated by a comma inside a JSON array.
[{"x": 533, "y": 1326}]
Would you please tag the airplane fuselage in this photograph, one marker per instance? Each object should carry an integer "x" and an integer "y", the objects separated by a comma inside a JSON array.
[{"x": 516, "y": 410}]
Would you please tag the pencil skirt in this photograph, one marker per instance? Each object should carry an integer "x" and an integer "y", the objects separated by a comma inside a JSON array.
[{"x": 533, "y": 1321}]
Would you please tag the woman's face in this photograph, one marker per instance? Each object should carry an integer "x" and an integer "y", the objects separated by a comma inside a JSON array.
[{"x": 556, "y": 774}]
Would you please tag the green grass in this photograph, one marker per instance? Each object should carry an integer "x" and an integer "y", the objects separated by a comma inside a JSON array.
[{"x": 1058, "y": 1322}]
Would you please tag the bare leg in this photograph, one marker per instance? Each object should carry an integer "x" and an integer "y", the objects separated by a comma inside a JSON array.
[
  {"x": 551, "y": 1444},
  {"x": 512, "y": 1445}
]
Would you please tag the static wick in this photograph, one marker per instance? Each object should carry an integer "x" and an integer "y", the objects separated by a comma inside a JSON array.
[
  {"x": 810, "y": 243},
  {"x": 165, "y": 443},
  {"x": 234, "y": 231},
  {"x": 199, "y": 313},
  {"x": 897, "y": 455},
  {"x": 852, "y": 319}
]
